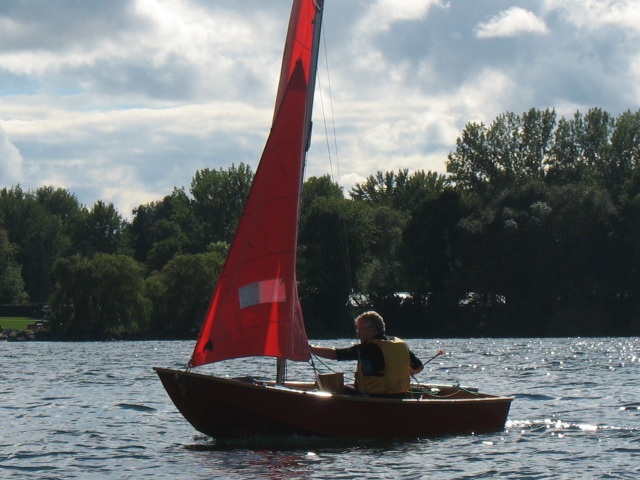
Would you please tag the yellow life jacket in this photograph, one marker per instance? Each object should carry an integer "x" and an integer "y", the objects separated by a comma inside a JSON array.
[{"x": 395, "y": 378}]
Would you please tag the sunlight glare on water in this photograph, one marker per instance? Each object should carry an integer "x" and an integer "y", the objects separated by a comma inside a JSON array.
[{"x": 97, "y": 410}]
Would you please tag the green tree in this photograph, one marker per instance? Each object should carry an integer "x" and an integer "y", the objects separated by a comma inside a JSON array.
[
  {"x": 99, "y": 297},
  {"x": 598, "y": 128},
  {"x": 565, "y": 163},
  {"x": 181, "y": 292},
  {"x": 624, "y": 154},
  {"x": 470, "y": 166},
  {"x": 318, "y": 188},
  {"x": 218, "y": 199},
  {"x": 11, "y": 282},
  {"x": 513, "y": 149},
  {"x": 101, "y": 230},
  {"x": 583, "y": 271},
  {"x": 537, "y": 136},
  {"x": 336, "y": 236},
  {"x": 505, "y": 252},
  {"x": 59, "y": 202},
  {"x": 627, "y": 256},
  {"x": 38, "y": 232},
  {"x": 401, "y": 191},
  {"x": 160, "y": 230},
  {"x": 432, "y": 259},
  {"x": 382, "y": 276}
]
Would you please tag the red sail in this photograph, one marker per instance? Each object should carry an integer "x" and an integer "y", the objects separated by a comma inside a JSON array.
[
  {"x": 301, "y": 44},
  {"x": 255, "y": 309}
]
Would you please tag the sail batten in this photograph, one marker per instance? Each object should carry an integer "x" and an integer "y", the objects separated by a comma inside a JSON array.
[{"x": 255, "y": 310}]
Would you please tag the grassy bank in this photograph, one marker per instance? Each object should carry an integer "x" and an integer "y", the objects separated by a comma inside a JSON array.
[{"x": 15, "y": 323}]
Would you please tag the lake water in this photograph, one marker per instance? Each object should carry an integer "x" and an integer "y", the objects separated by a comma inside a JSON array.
[{"x": 97, "y": 410}]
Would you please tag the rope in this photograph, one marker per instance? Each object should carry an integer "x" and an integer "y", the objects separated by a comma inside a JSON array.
[
  {"x": 336, "y": 178},
  {"x": 323, "y": 364}
]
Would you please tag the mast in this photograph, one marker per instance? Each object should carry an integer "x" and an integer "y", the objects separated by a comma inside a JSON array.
[
  {"x": 281, "y": 363},
  {"x": 313, "y": 68}
]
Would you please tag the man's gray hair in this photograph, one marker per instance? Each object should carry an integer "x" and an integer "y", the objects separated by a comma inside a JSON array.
[{"x": 373, "y": 319}]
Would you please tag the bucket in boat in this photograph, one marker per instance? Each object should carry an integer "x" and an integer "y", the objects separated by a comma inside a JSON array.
[{"x": 331, "y": 382}]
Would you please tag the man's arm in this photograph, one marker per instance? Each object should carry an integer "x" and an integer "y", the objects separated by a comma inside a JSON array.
[
  {"x": 324, "y": 352},
  {"x": 416, "y": 365}
]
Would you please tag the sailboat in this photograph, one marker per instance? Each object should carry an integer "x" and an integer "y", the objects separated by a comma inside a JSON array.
[{"x": 255, "y": 309}]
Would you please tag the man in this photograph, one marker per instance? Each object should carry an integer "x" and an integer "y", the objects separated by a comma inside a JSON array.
[{"x": 384, "y": 363}]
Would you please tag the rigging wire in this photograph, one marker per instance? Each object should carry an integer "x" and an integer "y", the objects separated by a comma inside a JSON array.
[
  {"x": 338, "y": 180},
  {"x": 342, "y": 231}
]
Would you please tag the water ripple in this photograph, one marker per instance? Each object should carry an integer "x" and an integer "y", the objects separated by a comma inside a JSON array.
[{"x": 97, "y": 410}]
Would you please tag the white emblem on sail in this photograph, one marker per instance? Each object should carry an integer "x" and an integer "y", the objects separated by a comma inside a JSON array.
[{"x": 266, "y": 291}]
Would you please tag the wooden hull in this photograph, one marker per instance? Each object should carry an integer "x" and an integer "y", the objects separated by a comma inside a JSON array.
[{"x": 226, "y": 408}]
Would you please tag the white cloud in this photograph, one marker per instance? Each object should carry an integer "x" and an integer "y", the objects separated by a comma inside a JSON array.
[
  {"x": 512, "y": 22},
  {"x": 379, "y": 18},
  {"x": 634, "y": 66},
  {"x": 122, "y": 101},
  {"x": 597, "y": 14},
  {"x": 413, "y": 130},
  {"x": 386, "y": 12},
  {"x": 10, "y": 161}
]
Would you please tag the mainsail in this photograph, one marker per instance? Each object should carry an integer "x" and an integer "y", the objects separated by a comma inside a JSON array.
[{"x": 255, "y": 309}]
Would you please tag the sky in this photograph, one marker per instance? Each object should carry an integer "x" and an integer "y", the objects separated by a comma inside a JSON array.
[{"x": 124, "y": 100}]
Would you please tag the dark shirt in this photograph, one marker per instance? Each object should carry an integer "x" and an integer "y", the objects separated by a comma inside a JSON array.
[{"x": 371, "y": 357}]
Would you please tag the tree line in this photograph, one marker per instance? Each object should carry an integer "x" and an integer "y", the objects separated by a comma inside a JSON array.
[{"x": 534, "y": 230}]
